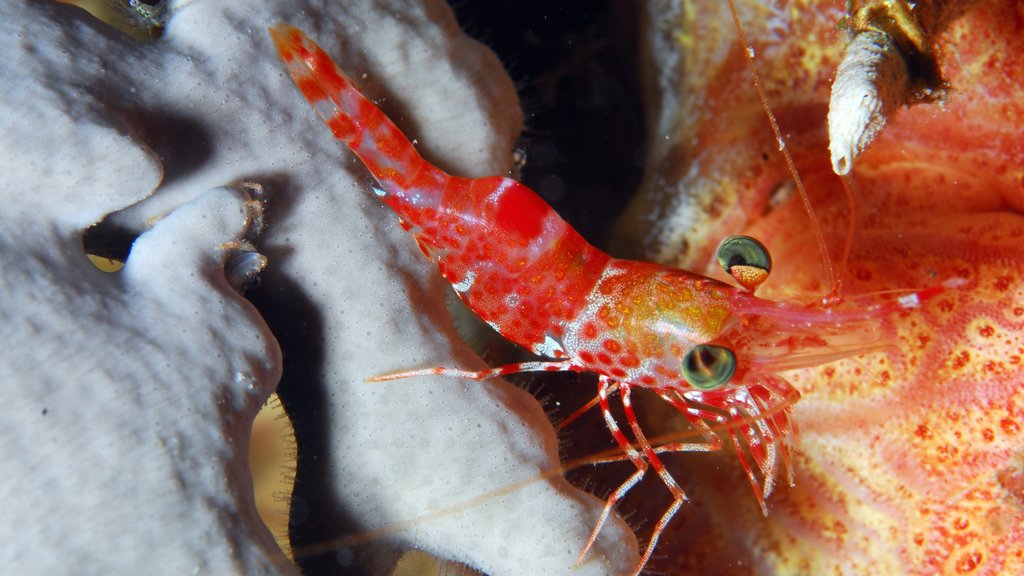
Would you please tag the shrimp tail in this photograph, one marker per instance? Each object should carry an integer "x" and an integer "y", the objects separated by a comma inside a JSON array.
[{"x": 405, "y": 177}]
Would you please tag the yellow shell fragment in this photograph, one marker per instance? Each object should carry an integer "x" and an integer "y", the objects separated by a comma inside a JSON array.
[
  {"x": 105, "y": 264},
  {"x": 272, "y": 459}
]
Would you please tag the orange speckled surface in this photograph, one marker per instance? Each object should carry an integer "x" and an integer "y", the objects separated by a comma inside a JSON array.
[{"x": 910, "y": 461}]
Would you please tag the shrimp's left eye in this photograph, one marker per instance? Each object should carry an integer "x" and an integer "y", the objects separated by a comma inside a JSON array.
[
  {"x": 746, "y": 260},
  {"x": 708, "y": 367}
]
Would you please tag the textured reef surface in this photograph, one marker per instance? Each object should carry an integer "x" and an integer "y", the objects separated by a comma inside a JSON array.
[{"x": 910, "y": 460}]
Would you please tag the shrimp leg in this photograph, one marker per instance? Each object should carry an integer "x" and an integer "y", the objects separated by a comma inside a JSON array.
[
  {"x": 678, "y": 497},
  {"x": 646, "y": 455},
  {"x": 604, "y": 385}
]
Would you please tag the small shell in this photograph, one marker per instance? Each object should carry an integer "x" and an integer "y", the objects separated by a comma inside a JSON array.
[
  {"x": 872, "y": 82},
  {"x": 892, "y": 61},
  {"x": 243, "y": 268}
]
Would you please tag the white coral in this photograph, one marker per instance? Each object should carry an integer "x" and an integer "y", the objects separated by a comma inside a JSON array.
[{"x": 131, "y": 395}]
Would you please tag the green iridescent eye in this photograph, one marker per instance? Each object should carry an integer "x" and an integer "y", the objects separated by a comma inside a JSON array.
[
  {"x": 708, "y": 366},
  {"x": 746, "y": 260}
]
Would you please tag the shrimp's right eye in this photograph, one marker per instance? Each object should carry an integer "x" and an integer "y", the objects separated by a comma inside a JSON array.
[
  {"x": 708, "y": 367},
  {"x": 746, "y": 260}
]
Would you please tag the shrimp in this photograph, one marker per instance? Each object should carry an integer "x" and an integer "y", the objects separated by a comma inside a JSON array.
[{"x": 711, "y": 350}]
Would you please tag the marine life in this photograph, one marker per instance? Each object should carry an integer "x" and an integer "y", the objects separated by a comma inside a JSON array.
[{"x": 710, "y": 350}]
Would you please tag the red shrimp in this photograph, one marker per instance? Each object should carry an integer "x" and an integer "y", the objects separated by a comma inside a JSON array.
[{"x": 711, "y": 350}]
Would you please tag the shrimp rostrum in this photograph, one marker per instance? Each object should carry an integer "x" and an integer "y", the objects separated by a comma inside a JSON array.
[{"x": 711, "y": 350}]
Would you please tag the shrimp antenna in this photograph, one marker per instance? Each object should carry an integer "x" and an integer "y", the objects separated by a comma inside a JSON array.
[{"x": 819, "y": 236}]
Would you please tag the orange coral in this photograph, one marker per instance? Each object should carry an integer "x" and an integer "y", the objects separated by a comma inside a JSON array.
[{"x": 910, "y": 461}]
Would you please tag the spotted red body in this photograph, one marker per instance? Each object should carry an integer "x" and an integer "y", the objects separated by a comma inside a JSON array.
[{"x": 709, "y": 349}]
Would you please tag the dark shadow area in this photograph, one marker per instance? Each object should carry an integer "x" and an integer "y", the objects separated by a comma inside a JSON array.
[
  {"x": 298, "y": 325},
  {"x": 109, "y": 240},
  {"x": 181, "y": 144}
]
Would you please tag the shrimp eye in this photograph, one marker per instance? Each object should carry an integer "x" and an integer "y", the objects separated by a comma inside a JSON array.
[
  {"x": 746, "y": 260},
  {"x": 707, "y": 366}
]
